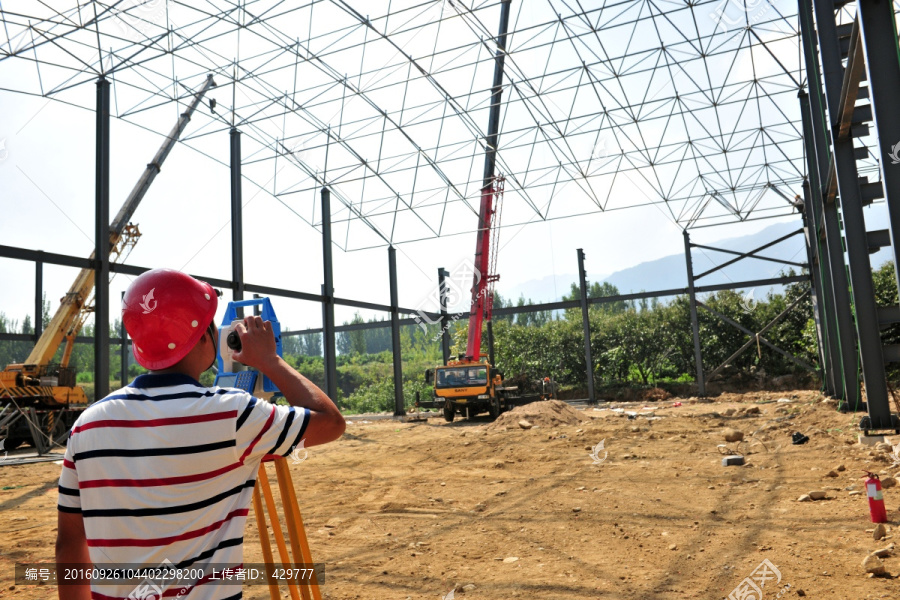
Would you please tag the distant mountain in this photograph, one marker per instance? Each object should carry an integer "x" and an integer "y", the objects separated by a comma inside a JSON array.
[{"x": 670, "y": 272}]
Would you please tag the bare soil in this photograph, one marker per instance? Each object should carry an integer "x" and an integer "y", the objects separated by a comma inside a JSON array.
[{"x": 410, "y": 510}]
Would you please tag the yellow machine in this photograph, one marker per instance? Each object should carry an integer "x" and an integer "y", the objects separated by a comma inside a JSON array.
[
  {"x": 469, "y": 388},
  {"x": 41, "y": 383},
  {"x": 39, "y": 380}
]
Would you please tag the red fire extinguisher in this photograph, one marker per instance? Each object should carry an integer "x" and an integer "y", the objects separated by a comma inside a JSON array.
[{"x": 876, "y": 498}]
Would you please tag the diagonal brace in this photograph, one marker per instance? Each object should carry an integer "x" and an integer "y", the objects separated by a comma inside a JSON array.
[
  {"x": 762, "y": 339},
  {"x": 750, "y": 254},
  {"x": 771, "y": 324}
]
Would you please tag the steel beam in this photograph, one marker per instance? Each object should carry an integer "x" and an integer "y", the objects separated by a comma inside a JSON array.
[
  {"x": 847, "y": 178},
  {"x": 445, "y": 322},
  {"x": 328, "y": 299},
  {"x": 879, "y": 42},
  {"x": 237, "y": 224},
  {"x": 101, "y": 244},
  {"x": 586, "y": 326},
  {"x": 399, "y": 404},
  {"x": 695, "y": 323},
  {"x": 845, "y": 361}
]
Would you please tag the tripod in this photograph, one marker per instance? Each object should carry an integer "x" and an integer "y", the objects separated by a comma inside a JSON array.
[{"x": 305, "y": 584}]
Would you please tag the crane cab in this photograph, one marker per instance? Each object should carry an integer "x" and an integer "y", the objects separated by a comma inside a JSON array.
[{"x": 467, "y": 388}]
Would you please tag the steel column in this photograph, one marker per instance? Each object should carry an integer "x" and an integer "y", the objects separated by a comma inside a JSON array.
[
  {"x": 814, "y": 127},
  {"x": 879, "y": 41},
  {"x": 586, "y": 326},
  {"x": 328, "y": 300},
  {"x": 818, "y": 298},
  {"x": 865, "y": 309},
  {"x": 695, "y": 323},
  {"x": 836, "y": 320},
  {"x": 101, "y": 244},
  {"x": 490, "y": 339},
  {"x": 237, "y": 225},
  {"x": 38, "y": 299},
  {"x": 123, "y": 349},
  {"x": 445, "y": 322},
  {"x": 399, "y": 404}
]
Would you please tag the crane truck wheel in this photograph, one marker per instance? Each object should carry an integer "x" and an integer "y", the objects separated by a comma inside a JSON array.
[
  {"x": 449, "y": 412},
  {"x": 494, "y": 407}
]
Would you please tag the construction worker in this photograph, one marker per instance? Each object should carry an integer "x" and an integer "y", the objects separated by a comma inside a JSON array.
[
  {"x": 549, "y": 389},
  {"x": 164, "y": 468}
]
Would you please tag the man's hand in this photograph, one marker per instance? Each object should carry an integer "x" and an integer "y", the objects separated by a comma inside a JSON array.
[{"x": 258, "y": 349}]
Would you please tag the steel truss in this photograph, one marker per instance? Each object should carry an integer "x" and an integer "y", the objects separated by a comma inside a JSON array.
[
  {"x": 635, "y": 102},
  {"x": 685, "y": 106}
]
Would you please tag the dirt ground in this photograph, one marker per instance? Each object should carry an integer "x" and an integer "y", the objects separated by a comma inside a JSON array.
[{"x": 409, "y": 510}]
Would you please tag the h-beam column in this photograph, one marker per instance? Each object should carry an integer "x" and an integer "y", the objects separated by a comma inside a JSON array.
[
  {"x": 695, "y": 321},
  {"x": 845, "y": 359},
  {"x": 841, "y": 89},
  {"x": 445, "y": 322},
  {"x": 879, "y": 41},
  {"x": 237, "y": 221},
  {"x": 399, "y": 404},
  {"x": 328, "y": 300},
  {"x": 586, "y": 326},
  {"x": 38, "y": 299},
  {"x": 101, "y": 241}
]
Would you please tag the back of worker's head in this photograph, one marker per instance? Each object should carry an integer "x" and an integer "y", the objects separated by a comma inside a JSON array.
[{"x": 166, "y": 313}]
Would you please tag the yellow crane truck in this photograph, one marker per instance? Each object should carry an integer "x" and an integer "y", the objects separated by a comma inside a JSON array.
[{"x": 39, "y": 398}]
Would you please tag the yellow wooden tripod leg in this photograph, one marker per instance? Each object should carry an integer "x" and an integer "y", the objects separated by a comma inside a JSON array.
[
  {"x": 264, "y": 541},
  {"x": 263, "y": 482},
  {"x": 295, "y": 523}
]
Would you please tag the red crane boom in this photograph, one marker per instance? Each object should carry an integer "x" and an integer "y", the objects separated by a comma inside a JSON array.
[{"x": 485, "y": 265}]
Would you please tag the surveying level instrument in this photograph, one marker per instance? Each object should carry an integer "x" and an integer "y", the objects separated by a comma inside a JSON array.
[{"x": 254, "y": 382}]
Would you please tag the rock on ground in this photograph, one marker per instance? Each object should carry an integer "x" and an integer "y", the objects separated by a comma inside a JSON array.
[
  {"x": 873, "y": 564},
  {"x": 733, "y": 435}
]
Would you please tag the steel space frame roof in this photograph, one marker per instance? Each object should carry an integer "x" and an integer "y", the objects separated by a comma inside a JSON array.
[{"x": 690, "y": 106}]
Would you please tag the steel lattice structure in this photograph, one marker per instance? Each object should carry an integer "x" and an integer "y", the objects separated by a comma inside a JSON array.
[
  {"x": 687, "y": 105},
  {"x": 714, "y": 112}
]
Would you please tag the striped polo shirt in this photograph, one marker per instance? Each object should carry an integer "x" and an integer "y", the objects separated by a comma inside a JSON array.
[{"x": 164, "y": 469}]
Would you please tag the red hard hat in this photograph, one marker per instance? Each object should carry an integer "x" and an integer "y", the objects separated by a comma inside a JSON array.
[{"x": 166, "y": 313}]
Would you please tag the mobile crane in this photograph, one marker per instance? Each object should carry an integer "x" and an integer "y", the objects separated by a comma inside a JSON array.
[
  {"x": 40, "y": 397},
  {"x": 471, "y": 385}
]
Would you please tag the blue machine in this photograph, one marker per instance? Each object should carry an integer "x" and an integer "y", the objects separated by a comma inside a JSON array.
[{"x": 245, "y": 380}]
